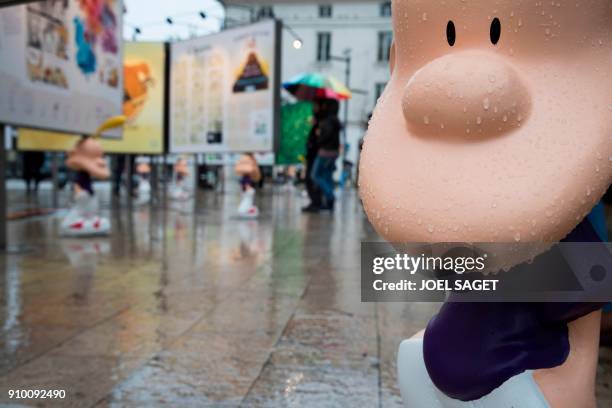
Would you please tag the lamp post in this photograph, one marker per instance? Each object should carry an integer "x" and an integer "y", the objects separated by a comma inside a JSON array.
[{"x": 347, "y": 60}]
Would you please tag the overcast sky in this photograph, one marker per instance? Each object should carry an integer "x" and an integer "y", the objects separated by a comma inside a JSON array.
[{"x": 150, "y": 17}]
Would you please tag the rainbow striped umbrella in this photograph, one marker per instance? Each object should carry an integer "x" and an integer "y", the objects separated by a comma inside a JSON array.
[{"x": 311, "y": 86}]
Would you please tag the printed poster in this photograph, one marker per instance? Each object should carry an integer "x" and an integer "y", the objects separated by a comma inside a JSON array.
[
  {"x": 143, "y": 104},
  {"x": 61, "y": 64},
  {"x": 224, "y": 90}
]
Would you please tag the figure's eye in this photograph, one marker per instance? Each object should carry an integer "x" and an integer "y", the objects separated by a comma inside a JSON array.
[
  {"x": 495, "y": 30},
  {"x": 451, "y": 34}
]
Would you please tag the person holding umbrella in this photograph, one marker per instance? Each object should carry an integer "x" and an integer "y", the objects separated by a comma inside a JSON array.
[
  {"x": 328, "y": 141},
  {"x": 312, "y": 149},
  {"x": 323, "y": 144}
]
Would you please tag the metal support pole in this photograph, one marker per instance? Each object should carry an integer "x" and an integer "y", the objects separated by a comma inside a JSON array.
[
  {"x": 54, "y": 180},
  {"x": 347, "y": 59},
  {"x": 196, "y": 175},
  {"x": 164, "y": 178},
  {"x": 129, "y": 185},
  {"x": 346, "y": 105},
  {"x": 3, "y": 196},
  {"x": 154, "y": 180}
]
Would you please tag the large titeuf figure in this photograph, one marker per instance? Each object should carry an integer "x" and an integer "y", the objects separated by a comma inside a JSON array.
[{"x": 496, "y": 126}]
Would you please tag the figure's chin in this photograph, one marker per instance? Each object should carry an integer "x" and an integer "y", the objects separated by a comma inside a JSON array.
[{"x": 510, "y": 241}]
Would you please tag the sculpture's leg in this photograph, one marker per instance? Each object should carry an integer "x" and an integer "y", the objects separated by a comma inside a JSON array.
[{"x": 572, "y": 384}]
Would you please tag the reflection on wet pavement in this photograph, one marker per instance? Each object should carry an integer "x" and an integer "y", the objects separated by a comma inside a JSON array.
[{"x": 191, "y": 307}]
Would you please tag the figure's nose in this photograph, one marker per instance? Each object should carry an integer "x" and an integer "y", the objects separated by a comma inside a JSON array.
[{"x": 472, "y": 93}]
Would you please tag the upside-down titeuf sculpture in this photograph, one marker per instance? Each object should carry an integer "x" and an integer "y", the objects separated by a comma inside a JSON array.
[
  {"x": 248, "y": 171},
  {"x": 86, "y": 159}
]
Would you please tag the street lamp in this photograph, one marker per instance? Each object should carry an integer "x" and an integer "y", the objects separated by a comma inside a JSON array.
[
  {"x": 297, "y": 42},
  {"x": 346, "y": 58}
]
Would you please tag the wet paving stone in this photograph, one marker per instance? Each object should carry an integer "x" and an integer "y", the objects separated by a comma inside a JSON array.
[
  {"x": 307, "y": 386},
  {"x": 189, "y": 307}
]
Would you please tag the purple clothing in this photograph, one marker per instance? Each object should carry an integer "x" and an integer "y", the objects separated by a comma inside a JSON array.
[
  {"x": 245, "y": 182},
  {"x": 83, "y": 180},
  {"x": 470, "y": 349}
]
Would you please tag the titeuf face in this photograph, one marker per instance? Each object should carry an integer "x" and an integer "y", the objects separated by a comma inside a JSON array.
[{"x": 496, "y": 125}]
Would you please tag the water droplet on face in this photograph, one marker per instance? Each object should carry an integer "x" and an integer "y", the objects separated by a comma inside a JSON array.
[
  {"x": 424, "y": 17},
  {"x": 479, "y": 120},
  {"x": 505, "y": 118},
  {"x": 426, "y": 120},
  {"x": 430, "y": 228},
  {"x": 517, "y": 236},
  {"x": 486, "y": 104}
]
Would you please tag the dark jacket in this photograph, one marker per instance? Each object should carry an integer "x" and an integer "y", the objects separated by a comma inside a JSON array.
[
  {"x": 312, "y": 144},
  {"x": 329, "y": 134}
]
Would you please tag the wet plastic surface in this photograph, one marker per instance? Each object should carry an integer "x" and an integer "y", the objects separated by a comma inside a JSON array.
[{"x": 196, "y": 308}]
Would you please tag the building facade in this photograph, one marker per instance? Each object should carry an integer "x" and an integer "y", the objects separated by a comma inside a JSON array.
[{"x": 329, "y": 30}]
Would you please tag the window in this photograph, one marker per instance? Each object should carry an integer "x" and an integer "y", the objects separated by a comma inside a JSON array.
[
  {"x": 385, "y": 38},
  {"x": 323, "y": 46},
  {"x": 325, "y": 11},
  {"x": 385, "y": 9},
  {"x": 379, "y": 88},
  {"x": 265, "y": 12}
]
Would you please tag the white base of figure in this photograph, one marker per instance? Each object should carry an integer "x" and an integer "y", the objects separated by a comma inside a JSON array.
[
  {"x": 144, "y": 192},
  {"x": 246, "y": 209},
  {"x": 83, "y": 220},
  {"x": 419, "y": 392},
  {"x": 177, "y": 192}
]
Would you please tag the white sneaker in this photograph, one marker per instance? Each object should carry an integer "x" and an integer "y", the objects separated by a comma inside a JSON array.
[
  {"x": 144, "y": 192},
  {"x": 83, "y": 218},
  {"x": 418, "y": 391},
  {"x": 249, "y": 214},
  {"x": 247, "y": 209},
  {"x": 178, "y": 193},
  {"x": 86, "y": 227}
]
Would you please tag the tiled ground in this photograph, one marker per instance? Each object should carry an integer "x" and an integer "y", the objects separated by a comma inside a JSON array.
[{"x": 192, "y": 308}]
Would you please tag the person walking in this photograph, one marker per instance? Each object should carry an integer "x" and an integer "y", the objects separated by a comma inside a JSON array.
[
  {"x": 328, "y": 138},
  {"x": 32, "y": 169},
  {"x": 312, "y": 149}
]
